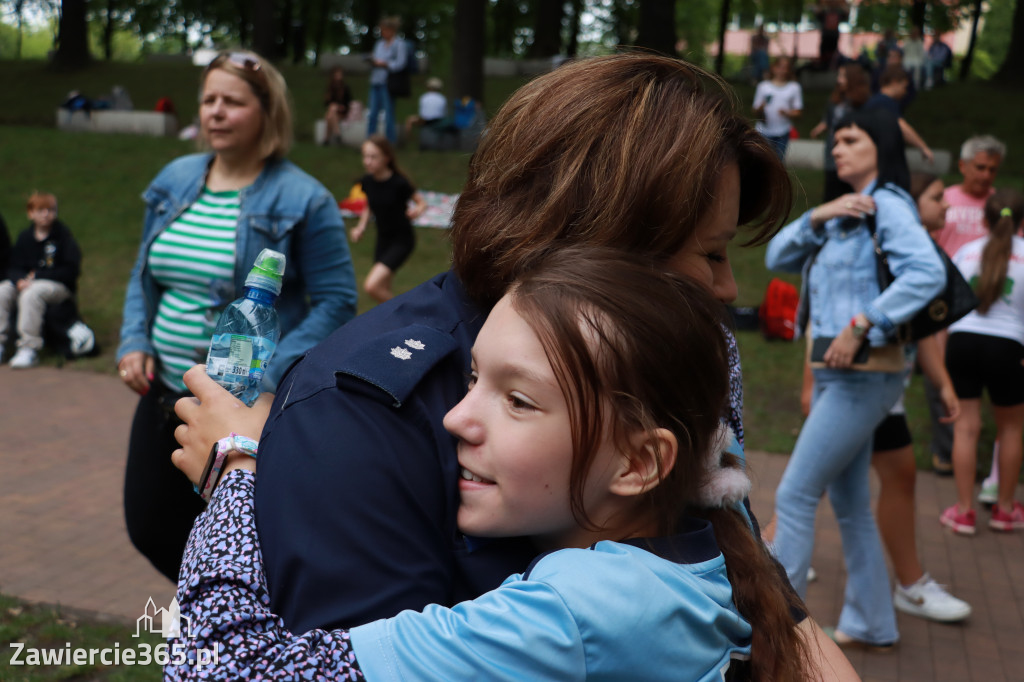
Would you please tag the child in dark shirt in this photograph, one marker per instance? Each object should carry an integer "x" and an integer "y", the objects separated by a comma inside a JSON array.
[
  {"x": 43, "y": 270},
  {"x": 388, "y": 193}
]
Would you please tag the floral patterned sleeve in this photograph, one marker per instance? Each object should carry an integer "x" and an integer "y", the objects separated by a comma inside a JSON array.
[
  {"x": 222, "y": 594},
  {"x": 735, "y": 416}
]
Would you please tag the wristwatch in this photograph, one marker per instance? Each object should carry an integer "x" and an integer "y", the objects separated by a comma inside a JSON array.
[
  {"x": 859, "y": 328},
  {"x": 218, "y": 455}
]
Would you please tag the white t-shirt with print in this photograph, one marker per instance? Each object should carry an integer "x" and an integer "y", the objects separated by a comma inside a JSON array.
[
  {"x": 1005, "y": 318},
  {"x": 775, "y": 98}
]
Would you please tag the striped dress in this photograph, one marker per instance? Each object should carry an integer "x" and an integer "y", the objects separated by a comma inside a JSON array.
[{"x": 193, "y": 262}]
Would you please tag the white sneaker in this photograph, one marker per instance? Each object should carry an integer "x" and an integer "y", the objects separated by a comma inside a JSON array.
[
  {"x": 24, "y": 358},
  {"x": 989, "y": 493},
  {"x": 927, "y": 599}
]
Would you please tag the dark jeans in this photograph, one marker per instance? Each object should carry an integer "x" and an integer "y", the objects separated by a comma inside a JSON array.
[{"x": 160, "y": 505}]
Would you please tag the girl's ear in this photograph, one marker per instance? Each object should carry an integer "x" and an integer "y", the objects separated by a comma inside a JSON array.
[{"x": 650, "y": 458}]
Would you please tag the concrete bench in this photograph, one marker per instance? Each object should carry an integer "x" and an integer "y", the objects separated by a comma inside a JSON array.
[
  {"x": 154, "y": 123},
  {"x": 811, "y": 154}
]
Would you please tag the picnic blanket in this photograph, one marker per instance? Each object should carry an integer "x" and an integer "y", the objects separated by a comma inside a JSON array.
[{"x": 438, "y": 213}]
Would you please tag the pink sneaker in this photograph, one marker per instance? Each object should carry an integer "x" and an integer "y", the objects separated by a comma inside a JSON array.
[
  {"x": 964, "y": 523},
  {"x": 1002, "y": 520}
]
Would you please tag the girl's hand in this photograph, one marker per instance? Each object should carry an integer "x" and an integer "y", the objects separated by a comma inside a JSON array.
[
  {"x": 817, "y": 130},
  {"x": 415, "y": 211},
  {"x": 845, "y": 346},
  {"x": 211, "y": 415},
  {"x": 852, "y": 205},
  {"x": 356, "y": 233},
  {"x": 136, "y": 370},
  {"x": 950, "y": 402}
]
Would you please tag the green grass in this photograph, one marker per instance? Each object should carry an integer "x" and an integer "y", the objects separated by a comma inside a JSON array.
[
  {"x": 41, "y": 627},
  {"x": 98, "y": 179}
]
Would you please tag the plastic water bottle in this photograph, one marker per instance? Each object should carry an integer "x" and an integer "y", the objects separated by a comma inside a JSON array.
[{"x": 248, "y": 330}]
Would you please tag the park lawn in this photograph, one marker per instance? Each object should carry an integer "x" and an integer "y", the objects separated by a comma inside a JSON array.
[{"x": 98, "y": 179}]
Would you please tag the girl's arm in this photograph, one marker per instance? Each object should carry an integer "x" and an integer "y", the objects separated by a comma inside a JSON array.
[
  {"x": 931, "y": 357},
  {"x": 420, "y": 206},
  {"x": 223, "y": 597},
  {"x": 912, "y": 138},
  {"x": 222, "y": 594},
  {"x": 356, "y": 233}
]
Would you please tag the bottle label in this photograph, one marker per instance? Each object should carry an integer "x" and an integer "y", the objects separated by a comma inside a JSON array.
[{"x": 245, "y": 361}]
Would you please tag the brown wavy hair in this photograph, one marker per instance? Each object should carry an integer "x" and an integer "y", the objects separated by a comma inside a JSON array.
[
  {"x": 858, "y": 86},
  {"x": 637, "y": 348},
  {"x": 995, "y": 257},
  {"x": 622, "y": 151}
]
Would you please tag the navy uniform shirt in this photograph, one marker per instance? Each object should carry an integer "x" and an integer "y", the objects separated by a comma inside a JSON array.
[{"x": 357, "y": 479}]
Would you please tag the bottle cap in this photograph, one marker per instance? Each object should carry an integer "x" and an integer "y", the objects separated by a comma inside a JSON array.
[{"x": 267, "y": 271}]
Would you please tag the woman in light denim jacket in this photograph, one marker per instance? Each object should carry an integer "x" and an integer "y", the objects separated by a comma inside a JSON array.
[
  {"x": 246, "y": 123},
  {"x": 832, "y": 246}
]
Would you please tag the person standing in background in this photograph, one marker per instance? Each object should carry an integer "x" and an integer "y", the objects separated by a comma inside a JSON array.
[
  {"x": 980, "y": 157},
  {"x": 777, "y": 101},
  {"x": 389, "y": 55},
  {"x": 207, "y": 217}
]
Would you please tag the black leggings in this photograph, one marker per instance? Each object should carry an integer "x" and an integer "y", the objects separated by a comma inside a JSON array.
[{"x": 159, "y": 503}]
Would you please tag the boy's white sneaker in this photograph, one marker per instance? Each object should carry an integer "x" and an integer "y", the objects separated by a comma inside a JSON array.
[
  {"x": 24, "y": 358},
  {"x": 927, "y": 599}
]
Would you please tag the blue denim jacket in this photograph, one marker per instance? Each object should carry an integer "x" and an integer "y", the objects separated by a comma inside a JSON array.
[
  {"x": 284, "y": 209},
  {"x": 843, "y": 279}
]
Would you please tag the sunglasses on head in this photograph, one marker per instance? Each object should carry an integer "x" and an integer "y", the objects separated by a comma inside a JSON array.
[{"x": 242, "y": 60}]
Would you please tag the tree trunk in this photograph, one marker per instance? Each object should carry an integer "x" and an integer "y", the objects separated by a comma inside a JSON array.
[
  {"x": 284, "y": 28},
  {"x": 321, "y": 29},
  {"x": 300, "y": 33},
  {"x": 108, "y": 32},
  {"x": 503, "y": 27},
  {"x": 574, "y": 29},
  {"x": 657, "y": 29},
  {"x": 264, "y": 38},
  {"x": 723, "y": 21},
  {"x": 73, "y": 39},
  {"x": 917, "y": 12},
  {"x": 19, "y": 11},
  {"x": 468, "y": 52},
  {"x": 965, "y": 65},
  {"x": 547, "y": 28},
  {"x": 1013, "y": 65}
]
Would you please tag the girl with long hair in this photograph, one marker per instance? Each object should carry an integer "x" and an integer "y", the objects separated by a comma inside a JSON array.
[
  {"x": 388, "y": 192},
  {"x": 985, "y": 351},
  {"x": 592, "y": 425}
]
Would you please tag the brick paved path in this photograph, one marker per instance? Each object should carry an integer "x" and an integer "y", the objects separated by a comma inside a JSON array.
[{"x": 63, "y": 438}]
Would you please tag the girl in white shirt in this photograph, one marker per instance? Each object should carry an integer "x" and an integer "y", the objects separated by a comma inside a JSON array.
[
  {"x": 986, "y": 351},
  {"x": 777, "y": 101}
]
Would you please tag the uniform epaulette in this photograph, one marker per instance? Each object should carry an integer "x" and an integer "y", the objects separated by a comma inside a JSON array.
[{"x": 396, "y": 361}]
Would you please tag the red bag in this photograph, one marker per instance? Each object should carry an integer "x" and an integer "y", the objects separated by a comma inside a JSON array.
[{"x": 778, "y": 311}]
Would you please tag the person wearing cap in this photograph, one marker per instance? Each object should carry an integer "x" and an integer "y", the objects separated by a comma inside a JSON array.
[
  {"x": 207, "y": 218},
  {"x": 433, "y": 107}
]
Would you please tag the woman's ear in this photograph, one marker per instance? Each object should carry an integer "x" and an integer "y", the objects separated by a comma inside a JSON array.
[{"x": 651, "y": 456}]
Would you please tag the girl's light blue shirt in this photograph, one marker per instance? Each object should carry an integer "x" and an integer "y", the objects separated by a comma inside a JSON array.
[{"x": 843, "y": 279}]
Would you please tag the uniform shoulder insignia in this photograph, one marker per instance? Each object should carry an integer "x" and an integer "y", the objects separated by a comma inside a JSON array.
[{"x": 397, "y": 360}]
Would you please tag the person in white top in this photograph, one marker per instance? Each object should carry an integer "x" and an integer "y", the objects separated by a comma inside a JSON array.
[
  {"x": 980, "y": 157},
  {"x": 914, "y": 56},
  {"x": 985, "y": 350},
  {"x": 777, "y": 101},
  {"x": 433, "y": 107}
]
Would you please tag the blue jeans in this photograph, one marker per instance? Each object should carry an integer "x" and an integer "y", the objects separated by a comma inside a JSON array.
[
  {"x": 780, "y": 143},
  {"x": 833, "y": 454},
  {"x": 380, "y": 99}
]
